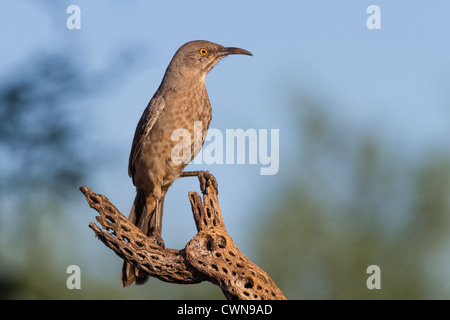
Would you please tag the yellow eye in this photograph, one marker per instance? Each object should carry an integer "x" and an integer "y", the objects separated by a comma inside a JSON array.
[{"x": 203, "y": 52}]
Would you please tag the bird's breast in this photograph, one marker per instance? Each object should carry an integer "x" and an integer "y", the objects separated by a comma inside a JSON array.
[
  {"x": 184, "y": 122},
  {"x": 188, "y": 105},
  {"x": 185, "y": 118}
]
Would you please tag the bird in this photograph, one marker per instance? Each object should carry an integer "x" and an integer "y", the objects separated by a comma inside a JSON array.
[{"x": 180, "y": 100}]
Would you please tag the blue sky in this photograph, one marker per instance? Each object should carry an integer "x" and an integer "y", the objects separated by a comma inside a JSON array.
[{"x": 392, "y": 81}]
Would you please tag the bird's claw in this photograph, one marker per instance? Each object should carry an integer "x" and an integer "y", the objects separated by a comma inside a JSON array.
[{"x": 207, "y": 179}]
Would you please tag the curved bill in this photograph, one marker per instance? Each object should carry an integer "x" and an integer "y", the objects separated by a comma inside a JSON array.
[{"x": 234, "y": 50}]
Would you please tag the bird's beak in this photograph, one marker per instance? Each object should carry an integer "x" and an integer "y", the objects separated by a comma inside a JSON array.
[{"x": 233, "y": 50}]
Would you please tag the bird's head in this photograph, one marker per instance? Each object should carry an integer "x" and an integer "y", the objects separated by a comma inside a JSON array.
[{"x": 201, "y": 56}]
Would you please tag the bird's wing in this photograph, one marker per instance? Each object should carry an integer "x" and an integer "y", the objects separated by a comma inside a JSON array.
[{"x": 145, "y": 125}]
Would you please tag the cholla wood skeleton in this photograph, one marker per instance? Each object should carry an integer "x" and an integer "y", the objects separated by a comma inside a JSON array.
[{"x": 210, "y": 255}]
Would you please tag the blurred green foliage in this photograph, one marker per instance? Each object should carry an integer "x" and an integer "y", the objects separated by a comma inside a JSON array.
[
  {"x": 43, "y": 161},
  {"x": 40, "y": 163},
  {"x": 355, "y": 201}
]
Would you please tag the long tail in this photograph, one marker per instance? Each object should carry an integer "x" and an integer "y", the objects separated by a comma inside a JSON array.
[{"x": 143, "y": 215}]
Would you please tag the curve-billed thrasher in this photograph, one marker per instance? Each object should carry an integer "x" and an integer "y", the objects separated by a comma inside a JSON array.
[{"x": 180, "y": 100}]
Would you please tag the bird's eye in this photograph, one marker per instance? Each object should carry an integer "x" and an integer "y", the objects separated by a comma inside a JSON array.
[{"x": 203, "y": 52}]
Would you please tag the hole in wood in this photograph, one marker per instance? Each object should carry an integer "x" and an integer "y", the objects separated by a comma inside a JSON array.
[
  {"x": 249, "y": 283},
  {"x": 114, "y": 245},
  {"x": 209, "y": 243},
  {"x": 221, "y": 242},
  {"x": 139, "y": 244},
  {"x": 95, "y": 199},
  {"x": 110, "y": 219},
  {"x": 148, "y": 266}
]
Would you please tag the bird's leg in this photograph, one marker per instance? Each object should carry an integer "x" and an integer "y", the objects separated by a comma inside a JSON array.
[
  {"x": 204, "y": 177},
  {"x": 158, "y": 223},
  {"x": 156, "y": 219}
]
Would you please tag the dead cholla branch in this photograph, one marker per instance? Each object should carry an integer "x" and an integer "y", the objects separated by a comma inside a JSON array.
[{"x": 210, "y": 255}]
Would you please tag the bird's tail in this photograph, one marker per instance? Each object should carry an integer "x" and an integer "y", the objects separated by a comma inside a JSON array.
[{"x": 142, "y": 214}]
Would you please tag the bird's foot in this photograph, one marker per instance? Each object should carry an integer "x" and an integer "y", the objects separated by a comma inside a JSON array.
[{"x": 207, "y": 179}]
